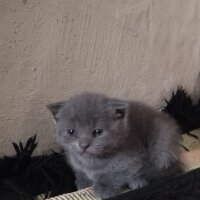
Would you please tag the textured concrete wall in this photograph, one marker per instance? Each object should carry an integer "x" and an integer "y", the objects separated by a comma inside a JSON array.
[{"x": 52, "y": 49}]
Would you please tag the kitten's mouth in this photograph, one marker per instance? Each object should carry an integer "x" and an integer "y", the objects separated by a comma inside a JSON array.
[{"x": 88, "y": 153}]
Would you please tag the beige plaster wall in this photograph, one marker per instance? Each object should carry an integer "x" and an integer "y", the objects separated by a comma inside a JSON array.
[{"x": 52, "y": 49}]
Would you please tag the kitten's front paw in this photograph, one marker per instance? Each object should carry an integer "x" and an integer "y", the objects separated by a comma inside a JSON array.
[
  {"x": 82, "y": 184},
  {"x": 137, "y": 183},
  {"x": 104, "y": 192},
  {"x": 82, "y": 181}
]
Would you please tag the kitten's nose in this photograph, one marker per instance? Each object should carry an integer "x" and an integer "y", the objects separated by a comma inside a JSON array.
[{"x": 84, "y": 145}]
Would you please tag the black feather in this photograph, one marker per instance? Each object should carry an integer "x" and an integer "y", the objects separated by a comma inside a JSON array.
[
  {"x": 34, "y": 175},
  {"x": 182, "y": 109}
]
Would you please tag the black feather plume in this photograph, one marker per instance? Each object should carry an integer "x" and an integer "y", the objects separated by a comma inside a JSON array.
[
  {"x": 182, "y": 109},
  {"x": 25, "y": 176}
]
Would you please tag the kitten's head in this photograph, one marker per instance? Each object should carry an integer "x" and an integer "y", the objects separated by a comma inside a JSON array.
[{"x": 90, "y": 124}]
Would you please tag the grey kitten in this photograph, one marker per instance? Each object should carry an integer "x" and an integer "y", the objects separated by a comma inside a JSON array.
[{"x": 112, "y": 144}]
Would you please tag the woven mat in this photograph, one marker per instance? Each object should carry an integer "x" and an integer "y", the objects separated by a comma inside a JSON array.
[
  {"x": 191, "y": 140},
  {"x": 190, "y": 157}
]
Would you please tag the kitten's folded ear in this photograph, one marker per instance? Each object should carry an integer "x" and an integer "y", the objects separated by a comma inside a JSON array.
[
  {"x": 119, "y": 107},
  {"x": 55, "y": 108}
]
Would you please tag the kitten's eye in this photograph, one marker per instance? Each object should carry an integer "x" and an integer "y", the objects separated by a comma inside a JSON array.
[
  {"x": 97, "y": 132},
  {"x": 71, "y": 132}
]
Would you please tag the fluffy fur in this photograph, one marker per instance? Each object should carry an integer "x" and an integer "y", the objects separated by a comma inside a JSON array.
[{"x": 112, "y": 144}]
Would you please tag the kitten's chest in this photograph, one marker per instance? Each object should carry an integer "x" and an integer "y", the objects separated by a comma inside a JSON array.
[{"x": 96, "y": 167}]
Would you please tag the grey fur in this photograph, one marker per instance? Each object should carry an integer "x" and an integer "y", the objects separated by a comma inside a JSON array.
[{"x": 138, "y": 144}]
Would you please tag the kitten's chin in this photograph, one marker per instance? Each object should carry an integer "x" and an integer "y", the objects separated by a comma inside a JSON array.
[
  {"x": 84, "y": 153},
  {"x": 92, "y": 153},
  {"x": 89, "y": 153}
]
